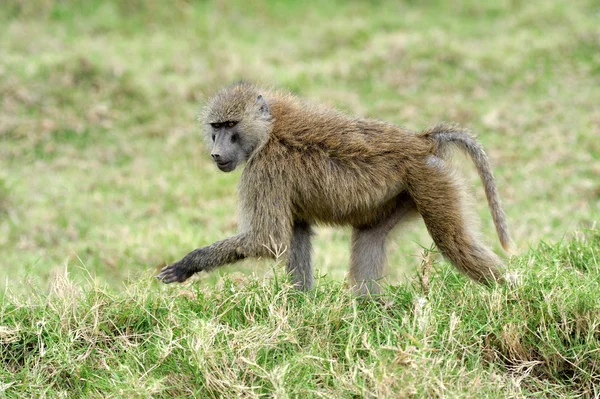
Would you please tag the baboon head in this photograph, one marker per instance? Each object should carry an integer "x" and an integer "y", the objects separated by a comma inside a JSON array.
[{"x": 237, "y": 122}]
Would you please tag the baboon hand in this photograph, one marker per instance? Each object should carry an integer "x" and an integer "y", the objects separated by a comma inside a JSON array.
[
  {"x": 183, "y": 269},
  {"x": 175, "y": 272}
]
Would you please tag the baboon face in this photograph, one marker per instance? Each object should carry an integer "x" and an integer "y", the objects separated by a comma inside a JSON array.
[
  {"x": 238, "y": 122},
  {"x": 229, "y": 148}
]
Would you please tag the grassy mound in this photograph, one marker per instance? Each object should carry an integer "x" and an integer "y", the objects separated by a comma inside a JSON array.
[{"x": 442, "y": 336}]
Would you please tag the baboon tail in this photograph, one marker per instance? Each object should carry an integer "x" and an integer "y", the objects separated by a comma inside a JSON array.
[{"x": 448, "y": 135}]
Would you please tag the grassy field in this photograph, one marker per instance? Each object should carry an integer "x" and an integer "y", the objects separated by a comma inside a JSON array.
[
  {"x": 104, "y": 178},
  {"x": 250, "y": 337}
]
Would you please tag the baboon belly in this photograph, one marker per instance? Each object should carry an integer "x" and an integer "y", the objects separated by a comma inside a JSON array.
[{"x": 349, "y": 201}]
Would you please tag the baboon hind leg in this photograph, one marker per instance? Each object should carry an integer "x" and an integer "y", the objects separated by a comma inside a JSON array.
[
  {"x": 368, "y": 253},
  {"x": 299, "y": 262},
  {"x": 440, "y": 200}
]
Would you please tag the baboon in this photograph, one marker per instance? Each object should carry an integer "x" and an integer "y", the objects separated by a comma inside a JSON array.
[{"x": 308, "y": 164}]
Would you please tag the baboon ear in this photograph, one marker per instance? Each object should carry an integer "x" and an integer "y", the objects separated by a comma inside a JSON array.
[{"x": 262, "y": 104}]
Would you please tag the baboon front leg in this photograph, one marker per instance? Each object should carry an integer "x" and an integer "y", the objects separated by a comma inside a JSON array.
[
  {"x": 222, "y": 252},
  {"x": 368, "y": 254},
  {"x": 266, "y": 228},
  {"x": 299, "y": 263}
]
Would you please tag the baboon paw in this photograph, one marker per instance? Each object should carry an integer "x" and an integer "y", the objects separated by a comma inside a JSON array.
[{"x": 174, "y": 273}]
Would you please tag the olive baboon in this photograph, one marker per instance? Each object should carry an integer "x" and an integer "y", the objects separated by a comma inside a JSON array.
[{"x": 310, "y": 164}]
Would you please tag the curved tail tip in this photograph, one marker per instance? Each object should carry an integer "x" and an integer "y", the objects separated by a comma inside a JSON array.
[{"x": 509, "y": 247}]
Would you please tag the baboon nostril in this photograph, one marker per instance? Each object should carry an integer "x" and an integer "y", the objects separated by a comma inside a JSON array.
[{"x": 216, "y": 157}]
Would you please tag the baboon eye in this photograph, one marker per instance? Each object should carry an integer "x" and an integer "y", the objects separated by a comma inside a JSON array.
[
  {"x": 216, "y": 125},
  {"x": 231, "y": 124},
  {"x": 213, "y": 137},
  {"x": 234, "y": 138}
]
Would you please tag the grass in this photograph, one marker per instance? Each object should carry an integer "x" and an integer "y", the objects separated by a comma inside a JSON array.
[
  {"x": 104, "y": 178},
  {"x": 249, "y": 337}
]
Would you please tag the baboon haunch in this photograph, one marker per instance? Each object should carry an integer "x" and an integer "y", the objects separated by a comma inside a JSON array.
[{"x": 309, "y": 164}]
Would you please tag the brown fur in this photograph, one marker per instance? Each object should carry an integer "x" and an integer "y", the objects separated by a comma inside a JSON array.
[{"x": 309, "y": 164}]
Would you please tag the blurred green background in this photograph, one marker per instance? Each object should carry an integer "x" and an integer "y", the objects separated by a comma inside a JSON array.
[{"x": 104, "y": 173}]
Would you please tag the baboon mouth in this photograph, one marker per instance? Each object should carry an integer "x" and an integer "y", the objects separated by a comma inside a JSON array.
[{"x": 225, "y": 166}]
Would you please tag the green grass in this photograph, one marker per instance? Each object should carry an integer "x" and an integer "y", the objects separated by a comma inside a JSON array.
[
  {"x": 250, "y": 337},
  {"x": 104, "y": 176}
]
